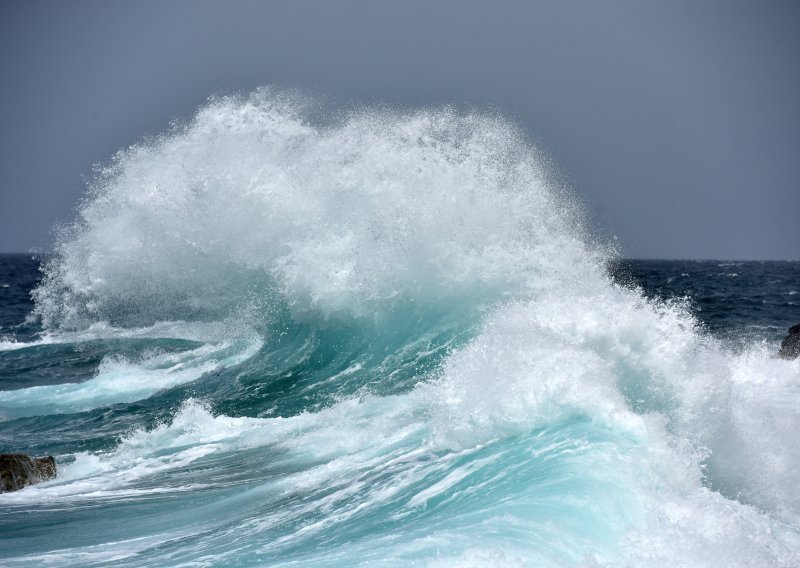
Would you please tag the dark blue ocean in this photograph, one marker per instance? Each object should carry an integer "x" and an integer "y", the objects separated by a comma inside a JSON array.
[
  {"x": 737, "y": 301},
  {"x": 386, "y": 340}
]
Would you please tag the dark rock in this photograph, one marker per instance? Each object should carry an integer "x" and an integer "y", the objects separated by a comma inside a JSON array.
[
  {"x": 18, "y": 471},
  {"x": 790, "y": 348}
]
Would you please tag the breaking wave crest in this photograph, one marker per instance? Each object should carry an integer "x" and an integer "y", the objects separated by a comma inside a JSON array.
[{"x": 418, "y": 357}]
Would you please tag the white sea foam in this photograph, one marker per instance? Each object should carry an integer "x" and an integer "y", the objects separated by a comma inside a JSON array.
[
  {"x": 191, "y": 331},
  {"x": 702, "y": 413},
  {"x": 118, "y": 380}
]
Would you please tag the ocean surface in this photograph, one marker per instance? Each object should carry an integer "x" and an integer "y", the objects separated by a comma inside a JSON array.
[{"x": 387, "y": 339}]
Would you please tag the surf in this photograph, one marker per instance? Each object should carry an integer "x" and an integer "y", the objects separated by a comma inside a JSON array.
[{"x": 406, "y": 348}]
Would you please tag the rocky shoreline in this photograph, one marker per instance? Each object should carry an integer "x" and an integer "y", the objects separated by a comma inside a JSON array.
[
  {"x": 790, "y": 347},
  {"x": 18, "y": 471}
]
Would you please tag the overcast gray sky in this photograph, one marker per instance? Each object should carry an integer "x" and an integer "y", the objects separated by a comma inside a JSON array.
[{"x": 678, "y": 122}]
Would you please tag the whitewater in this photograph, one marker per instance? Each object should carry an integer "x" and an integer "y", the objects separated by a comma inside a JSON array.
[{"x": 278, "y": 335}]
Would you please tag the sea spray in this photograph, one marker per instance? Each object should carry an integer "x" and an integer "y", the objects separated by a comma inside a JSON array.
[{"x": 250, "y": 198}]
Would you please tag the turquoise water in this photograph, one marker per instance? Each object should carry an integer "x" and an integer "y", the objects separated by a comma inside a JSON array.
[{"x": 385, "y": 340}]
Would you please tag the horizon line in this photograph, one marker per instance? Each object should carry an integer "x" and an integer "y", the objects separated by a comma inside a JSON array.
[{"x": 633, "y": 258}]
